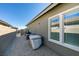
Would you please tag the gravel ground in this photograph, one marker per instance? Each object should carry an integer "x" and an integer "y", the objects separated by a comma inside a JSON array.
[{"x": 21, "y": 47}]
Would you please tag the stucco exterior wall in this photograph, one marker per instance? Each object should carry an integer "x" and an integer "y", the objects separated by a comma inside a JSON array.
[
  {"x": 40, "y": 26},
  {"x": 5, "y": 30}
]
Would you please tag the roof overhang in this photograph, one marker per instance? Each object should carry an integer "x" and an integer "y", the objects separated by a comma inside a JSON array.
[
  {"x": 52, "y": 5},
  {"x": 6, "y": 24}
]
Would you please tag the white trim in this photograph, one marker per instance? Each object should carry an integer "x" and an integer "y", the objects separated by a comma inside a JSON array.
[
  {"x": 61, "y": 42},
  {"x": 49, "y": 28},
  {"x": 61, "y": 29}
]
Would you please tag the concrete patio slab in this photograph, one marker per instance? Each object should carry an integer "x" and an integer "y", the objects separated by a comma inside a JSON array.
[{"x": 21, "y": 47}]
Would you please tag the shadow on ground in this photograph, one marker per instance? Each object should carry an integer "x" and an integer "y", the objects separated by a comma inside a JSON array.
[{"x": 6, "y": 41}]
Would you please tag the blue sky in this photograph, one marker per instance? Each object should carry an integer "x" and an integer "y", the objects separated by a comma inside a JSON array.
[{"x": 19, "y": 14}]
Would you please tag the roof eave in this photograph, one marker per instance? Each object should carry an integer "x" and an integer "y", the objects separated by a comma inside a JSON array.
[
  {"x": 6, "y": 24},
  {"x": 43, "y": 12}
]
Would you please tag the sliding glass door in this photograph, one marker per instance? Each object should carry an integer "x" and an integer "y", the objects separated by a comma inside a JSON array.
[
  {"x": 64, "y": 28},
  {"x": 55, "y": 28},
  {"x": 71, "y": 27}
]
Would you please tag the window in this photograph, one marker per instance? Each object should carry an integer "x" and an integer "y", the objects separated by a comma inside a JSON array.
[
  {"x": 64, "y": 28},
  {"x": 71, "y": 25},
  {"x": 55, "y": 28}
]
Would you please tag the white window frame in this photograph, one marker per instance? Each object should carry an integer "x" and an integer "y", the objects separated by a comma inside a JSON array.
[{"x": 61, "y": 33}]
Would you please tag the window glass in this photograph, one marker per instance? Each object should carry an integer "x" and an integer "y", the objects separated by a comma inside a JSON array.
[
  {"x": 55, "y": 28},
  {"x": 71, "y": 27}
]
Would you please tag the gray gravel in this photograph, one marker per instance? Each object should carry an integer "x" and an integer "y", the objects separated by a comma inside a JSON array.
[{"x": 21, "y": 47}]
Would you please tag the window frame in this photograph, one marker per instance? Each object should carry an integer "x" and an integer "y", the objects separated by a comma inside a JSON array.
[{"x": 61, "y": 33}]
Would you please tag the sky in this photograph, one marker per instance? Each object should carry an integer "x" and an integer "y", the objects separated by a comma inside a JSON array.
[{"x": 19, "y": 14}]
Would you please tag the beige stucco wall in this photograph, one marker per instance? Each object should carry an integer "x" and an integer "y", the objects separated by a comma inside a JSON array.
[
  {"x": 40, "y": 26},
  {"x": 5, "y": 30}
]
